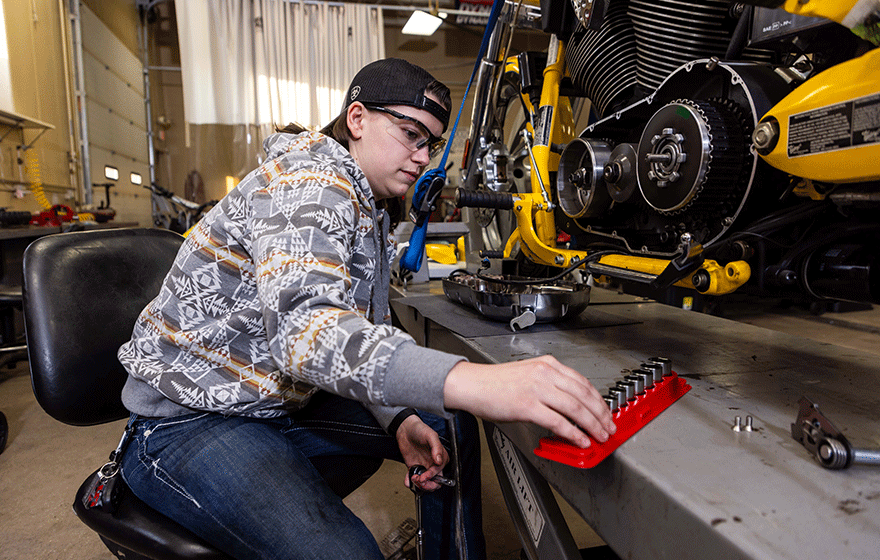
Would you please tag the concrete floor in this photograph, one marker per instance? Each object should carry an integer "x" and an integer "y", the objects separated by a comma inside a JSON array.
[{"x": 45, "y": 461}]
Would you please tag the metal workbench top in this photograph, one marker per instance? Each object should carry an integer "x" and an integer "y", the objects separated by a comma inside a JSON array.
[{"x": 687, "y": 485}]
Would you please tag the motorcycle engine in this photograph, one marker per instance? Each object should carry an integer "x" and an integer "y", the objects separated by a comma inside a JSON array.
[
  {"x": 641, "y": 42},
  {"x": 672, "y": 152},
  {"x": 678, "y": 161}
]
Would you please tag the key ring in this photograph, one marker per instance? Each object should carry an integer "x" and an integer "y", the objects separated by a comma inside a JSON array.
[{"x": 109, "y": 470}]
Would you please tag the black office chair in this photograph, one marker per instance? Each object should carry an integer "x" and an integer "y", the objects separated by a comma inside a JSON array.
[{"x": 82, "y": 293}]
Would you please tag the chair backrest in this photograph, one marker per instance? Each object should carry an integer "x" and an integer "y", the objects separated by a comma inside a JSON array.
[{"x": 82, "y": 293}]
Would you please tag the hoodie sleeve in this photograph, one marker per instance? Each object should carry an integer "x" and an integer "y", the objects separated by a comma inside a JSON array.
[
  {"x": 304, "y": 229},
  {"x": 384, "y": 414}
]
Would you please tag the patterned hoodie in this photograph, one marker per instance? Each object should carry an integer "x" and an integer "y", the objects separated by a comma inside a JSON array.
[{"x": 281, "y": 290}]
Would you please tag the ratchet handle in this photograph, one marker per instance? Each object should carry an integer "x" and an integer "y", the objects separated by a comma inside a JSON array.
[{"x": 483, "y": 199}]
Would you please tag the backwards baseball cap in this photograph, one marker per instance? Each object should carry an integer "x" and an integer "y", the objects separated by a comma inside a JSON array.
[{"x": 394, "y": 81}]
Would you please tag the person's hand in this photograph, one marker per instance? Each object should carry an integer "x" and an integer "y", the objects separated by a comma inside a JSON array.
[
  {"x": 420, "y": 445},
  {"x": 539, "y": 390}
]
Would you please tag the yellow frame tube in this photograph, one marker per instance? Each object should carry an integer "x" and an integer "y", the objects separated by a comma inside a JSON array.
[{"x": 543, "y": 158}]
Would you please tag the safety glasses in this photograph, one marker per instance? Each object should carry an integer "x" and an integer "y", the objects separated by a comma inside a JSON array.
[{"x": 410, "y": 132}]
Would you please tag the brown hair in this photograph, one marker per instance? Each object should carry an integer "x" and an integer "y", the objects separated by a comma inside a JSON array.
[{"x": 441, "y": 92}]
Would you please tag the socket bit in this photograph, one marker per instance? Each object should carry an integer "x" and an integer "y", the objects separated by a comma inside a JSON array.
[
  {"x": 646, "y": 376},
  {"x": 638, "y": 383},
  {"x": 665, "y": 362},
  {"x": 629, "y": 387},
  {"x": 655, "y": 369}
]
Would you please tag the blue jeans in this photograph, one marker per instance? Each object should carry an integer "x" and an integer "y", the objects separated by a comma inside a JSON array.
[{"x": 247, "y": 486}]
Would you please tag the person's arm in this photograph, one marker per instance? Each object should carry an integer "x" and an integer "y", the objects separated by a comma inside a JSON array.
[
  {"x": 316, "y": 324},
  {"x": 539, "y": 390}
]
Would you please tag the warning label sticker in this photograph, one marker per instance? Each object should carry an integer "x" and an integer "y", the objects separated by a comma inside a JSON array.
[
  {"x": 531, "y": 513},
  {"x": 835, "y": 127},
  {"x": 542, "y": 125}
]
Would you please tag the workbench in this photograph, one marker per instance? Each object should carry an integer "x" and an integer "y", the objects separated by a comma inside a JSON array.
[
  {"x": 687, "y": 486},
  {"x": 13, "y": 242}
]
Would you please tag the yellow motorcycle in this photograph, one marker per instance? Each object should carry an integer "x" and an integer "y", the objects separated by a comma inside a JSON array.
[{"x": 710, "y": 145}]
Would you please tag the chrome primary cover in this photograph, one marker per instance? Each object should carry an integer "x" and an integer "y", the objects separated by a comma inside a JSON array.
[
  {"x": 694, "y": 165},
  {"x": 580, "y": 183}
]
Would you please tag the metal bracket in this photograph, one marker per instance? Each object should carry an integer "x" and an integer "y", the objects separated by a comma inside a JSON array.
[
  {"x": 34, "y": 141},
  {"x": 690, "y": 258}
]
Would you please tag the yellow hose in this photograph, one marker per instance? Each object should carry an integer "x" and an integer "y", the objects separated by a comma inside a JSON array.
[{"x": 32, "y": 170}]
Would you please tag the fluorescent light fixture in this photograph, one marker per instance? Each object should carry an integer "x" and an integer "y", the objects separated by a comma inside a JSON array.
[
  {"x": 136, "y": 179},
  {"x": 422, "y": 23},
  {"x": 111, "y": 173}
]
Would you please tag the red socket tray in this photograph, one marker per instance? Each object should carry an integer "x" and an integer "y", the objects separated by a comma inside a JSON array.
[{"x": 628, "y": 420}]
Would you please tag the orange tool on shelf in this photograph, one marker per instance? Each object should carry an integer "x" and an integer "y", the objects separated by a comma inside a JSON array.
[{"x": 633, "y": 412}]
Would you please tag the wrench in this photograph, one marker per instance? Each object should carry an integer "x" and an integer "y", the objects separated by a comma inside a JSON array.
[
  {"x": 824, "y": 440},
  {"x": 415, "y": 471}
]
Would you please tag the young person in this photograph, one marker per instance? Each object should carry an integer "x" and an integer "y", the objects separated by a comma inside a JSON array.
[{"x": 269, "y": 347}]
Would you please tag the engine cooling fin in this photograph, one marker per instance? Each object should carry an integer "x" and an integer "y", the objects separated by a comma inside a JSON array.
[
  {"x": 603, "y": 63},
  {"x": 670, "y": 33}
]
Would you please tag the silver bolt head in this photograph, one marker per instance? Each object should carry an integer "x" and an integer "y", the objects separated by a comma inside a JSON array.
[{"x": 763, "y": 135}]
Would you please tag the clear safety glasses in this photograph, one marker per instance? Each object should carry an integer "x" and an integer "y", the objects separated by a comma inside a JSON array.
[{"x": 410, "y": 132}]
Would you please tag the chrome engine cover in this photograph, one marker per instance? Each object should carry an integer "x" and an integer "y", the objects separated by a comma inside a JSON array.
[{"x": 686, "y": 147}]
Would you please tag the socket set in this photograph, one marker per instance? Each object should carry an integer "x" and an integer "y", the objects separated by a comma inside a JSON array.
[{"x": 635, "y": 400}]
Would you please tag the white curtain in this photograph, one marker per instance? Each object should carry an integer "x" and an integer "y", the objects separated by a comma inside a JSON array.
[
  {"x": 5, "y": 75},
  {"x": 272, "y": 61}
]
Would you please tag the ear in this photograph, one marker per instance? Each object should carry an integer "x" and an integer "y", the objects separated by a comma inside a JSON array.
[{"x": 355, "y": 116}]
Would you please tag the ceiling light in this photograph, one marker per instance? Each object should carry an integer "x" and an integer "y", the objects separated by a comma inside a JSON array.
[{"x": 422, "y": 23}]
